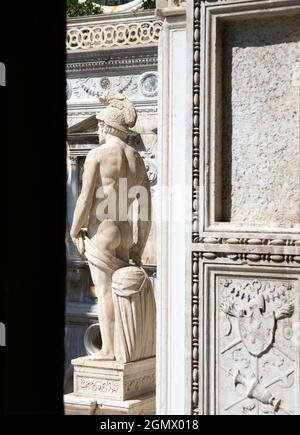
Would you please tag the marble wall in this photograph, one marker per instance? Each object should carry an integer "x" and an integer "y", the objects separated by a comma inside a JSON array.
[{"x": 261, "y": 121}]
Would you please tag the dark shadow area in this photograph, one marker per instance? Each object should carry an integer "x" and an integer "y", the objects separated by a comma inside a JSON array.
[{"x": 32, "y": 42}]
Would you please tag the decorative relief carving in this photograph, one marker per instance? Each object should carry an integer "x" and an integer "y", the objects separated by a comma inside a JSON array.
[
  {"x": 151, "y": 166},
  {"x": 136, "y": 385},
  {"x": 248, "y": 303},
  {"x": 73, "y": 160},
  {"x": 222, "y": 1},
  {"x": 148, "y": 84},
  {"x": 105, "y": 83},
  {"x": 91, "y": 88},
  {"x": 113, "y": 35},
  {"x": 195, "y": 334},
  {"x": 256, "y": 360},
  {"x": 252, "y": 257},
  {"x": 196, "y": 120},
  {"x": 126, "y": 85},
  {"x": 98, "y": 386},
  {"x": 247, "y": 241},
  {"x": 195, "y": 209},
  {"x": 69, "y": 89},
  {"x": 256, "y": 354},
  {"x": 113, "y": 63},
  {"x": 218, "y": 1}
]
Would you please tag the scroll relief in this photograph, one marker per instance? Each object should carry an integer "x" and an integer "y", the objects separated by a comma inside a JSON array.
[{"x": 257, "y": 351}]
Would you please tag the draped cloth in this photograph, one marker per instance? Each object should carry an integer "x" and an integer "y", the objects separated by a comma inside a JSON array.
[
  {"x": 134, "y": 304},
  {"x": 135, "y": 314},
  {"x": 101, "y": 259}
]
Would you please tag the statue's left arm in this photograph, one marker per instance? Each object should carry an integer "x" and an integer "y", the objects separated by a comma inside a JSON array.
[{"x": 85, "y": 199}]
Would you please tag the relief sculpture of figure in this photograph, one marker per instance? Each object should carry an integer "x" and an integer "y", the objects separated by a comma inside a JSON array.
[{"x": 114, "y": 178}]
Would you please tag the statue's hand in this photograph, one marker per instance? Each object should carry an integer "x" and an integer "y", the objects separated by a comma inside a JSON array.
[
  {"x": 79, "y": 242},
  {"x": 134, "y": 255}
]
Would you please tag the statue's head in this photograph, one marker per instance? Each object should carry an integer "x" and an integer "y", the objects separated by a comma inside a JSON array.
[{"x": 117, "y": 117}]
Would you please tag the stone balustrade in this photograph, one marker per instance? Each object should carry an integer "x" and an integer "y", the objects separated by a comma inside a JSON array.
[{"x": 140, "y": 29}]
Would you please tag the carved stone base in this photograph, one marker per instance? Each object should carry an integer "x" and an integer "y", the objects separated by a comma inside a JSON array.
[
  {"x": 78, "y": 405},
  {"x": 112, "y": 380}
]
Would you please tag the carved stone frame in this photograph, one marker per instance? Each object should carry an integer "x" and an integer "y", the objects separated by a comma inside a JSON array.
[
  {"x": 206, "y": 159},
  {"x": 217, "y": 245},
  {"x": 208, "y": 397}
]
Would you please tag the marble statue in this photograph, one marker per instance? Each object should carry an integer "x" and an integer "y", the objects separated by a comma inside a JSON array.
[{"x": 105, "y": 230}]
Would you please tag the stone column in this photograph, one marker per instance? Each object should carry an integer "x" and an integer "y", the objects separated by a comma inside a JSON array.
[
  {"x": 172, "y": 211},
  {"x": 72, "y": 194}
]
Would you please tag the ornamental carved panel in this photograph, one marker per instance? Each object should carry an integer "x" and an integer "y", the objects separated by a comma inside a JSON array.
[
  {"x": 245, "y": 233},
  {"x": 256, "y": 346},
  {"x": 94, "y": 386}
]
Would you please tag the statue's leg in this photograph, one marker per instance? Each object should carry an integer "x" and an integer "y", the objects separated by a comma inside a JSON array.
[
  {"x": 106, "y": 318},
  {"x": 107, "y": 238},
  {"x": 102, "y": 282}
]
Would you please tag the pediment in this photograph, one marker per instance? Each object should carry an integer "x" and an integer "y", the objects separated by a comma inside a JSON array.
[{"x": 88, "y": 125}]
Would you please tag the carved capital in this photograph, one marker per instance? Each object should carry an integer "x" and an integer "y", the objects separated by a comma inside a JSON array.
[{"x": 73, "y": 160}]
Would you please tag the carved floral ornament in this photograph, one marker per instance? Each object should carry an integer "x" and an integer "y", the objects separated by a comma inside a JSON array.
[
  {"x": 103, "y": 385},
  {"x": 139, "y": 384},
  {"x": 146, "y": 84}
]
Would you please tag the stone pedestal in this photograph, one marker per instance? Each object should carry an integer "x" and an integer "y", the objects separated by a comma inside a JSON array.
[
  {"x": 111, "y": 387},
  {"x": 77, "y": 405}
]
